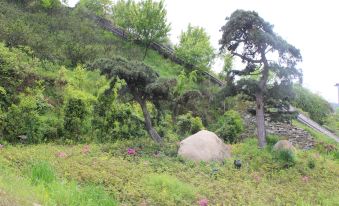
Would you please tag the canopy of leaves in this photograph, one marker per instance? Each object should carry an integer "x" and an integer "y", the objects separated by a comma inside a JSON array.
[
  {"x": 142, "y": 81},
  {"x": 99, "y": 7},
  {"x": 248, "y": 36},
  {"x": 195, "y": 47},
  {"x": 146, "y": 20},
  {"x": 253, "y": 36}
]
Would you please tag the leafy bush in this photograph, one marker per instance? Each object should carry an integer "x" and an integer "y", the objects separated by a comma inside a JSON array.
[
  {"x": 75, "y": 114},
  {"x": 115, "y": 120},
  {"x": 24, "y": 119},
  {"x": 187, "y": 124},
  {"x": 286, "y": 157},
  {"x": 311, "y": 163},
  {"x": 118, "y": 122},
  {"x": 167, "y": 190},
  {"x": 272, "y": 139},
  {"x": 229, "y": 126}
]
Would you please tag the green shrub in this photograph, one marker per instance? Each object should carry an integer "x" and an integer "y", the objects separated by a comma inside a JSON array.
[
  {"x": 286, "y": 157},
  {"x": 23, "y": 119},
  {"x": 168, "y": 190},
  {"x": 311, "y": 163},
  {"x": 187, "y": 124},
  {"x": 229, "y": 126},
  {"x": 114, "y": 120},
  {"x": 42, "y": 172},
  {"x": 272, "y": 139},
  {"x": 75, "y": 114}
]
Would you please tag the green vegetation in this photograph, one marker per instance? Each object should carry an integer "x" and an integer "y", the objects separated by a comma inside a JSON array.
[
  {"x": 248, "y": 36},
  {"x": 317, "y": 108},
  {"x": 195, "y": 48},
  {"x": 48, "y": 190},
  {"x": 167, "y": 190},
  {"x": 187, "y": 124},
  {"x": 229, "y": 126},
  {"x": 151, "y": 179},
  {"x": 332, "y": 122},
  {"x": 78, "y": 105},
  {"x": 145, "y": 20}
]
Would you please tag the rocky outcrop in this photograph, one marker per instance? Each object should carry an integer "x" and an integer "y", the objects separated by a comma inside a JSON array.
[
  {"x": 297, "y": 136},
  {"x": 204, "y": 146}
]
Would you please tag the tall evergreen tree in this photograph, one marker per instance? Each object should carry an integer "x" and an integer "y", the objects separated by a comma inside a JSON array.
[{"x": 248, "y": 36}]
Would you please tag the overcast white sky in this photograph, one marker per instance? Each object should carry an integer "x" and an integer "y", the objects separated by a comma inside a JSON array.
[{"x": 311, "y": 26}]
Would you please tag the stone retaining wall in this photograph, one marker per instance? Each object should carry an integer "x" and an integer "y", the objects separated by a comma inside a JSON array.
[{"x": 297, "y": 136}]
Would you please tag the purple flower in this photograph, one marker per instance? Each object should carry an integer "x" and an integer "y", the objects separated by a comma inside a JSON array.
[
  {"x": 131, "y": 151},
  {"x": 203, "y": 202}
]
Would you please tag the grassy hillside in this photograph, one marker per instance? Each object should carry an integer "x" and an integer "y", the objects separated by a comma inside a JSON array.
[
  {"x": 155, "y": 176},
  {"x": 64, "y": 138},
  {"x": 68, "y": 37}
]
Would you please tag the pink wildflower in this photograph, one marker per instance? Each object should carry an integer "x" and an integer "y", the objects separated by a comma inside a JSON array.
[
  {"x": 256, "y": 177},
  {"x": 86, "y": 149},
  {"x": 305, "y": 178},
  {"x": 131, "y": 151},
  {"x": 203, "y": 202},
  {"x": 61, "y": 154}
]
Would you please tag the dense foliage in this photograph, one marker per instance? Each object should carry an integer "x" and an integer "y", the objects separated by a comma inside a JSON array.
[
  {"x": 142, "y": 83},
  {"x": 229, "y": 126},
  {"x": 195, "y": 48},
  {"x": 188, "y": 125},
  {"x": 145, "y": 20},
  {"x": 317, "y": 107}
]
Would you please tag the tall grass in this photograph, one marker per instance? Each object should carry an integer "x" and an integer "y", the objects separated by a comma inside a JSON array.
[
  {"x": 42, "y": 172},
  {"x": 43, "y": 187}
]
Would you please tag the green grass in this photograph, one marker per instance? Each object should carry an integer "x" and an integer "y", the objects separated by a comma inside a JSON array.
[
  {"x": 42, "y": 187},
  {"x": 42, "y": 172},
  {"x": 323, "y": 144},
  {"x": 317, "y": 135},
  {"x": 164, "y": 179}
]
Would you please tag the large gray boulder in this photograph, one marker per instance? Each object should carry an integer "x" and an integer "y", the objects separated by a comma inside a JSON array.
[
  {"x": 204, "y": 146},
  {"x": 283, "y": 145}
]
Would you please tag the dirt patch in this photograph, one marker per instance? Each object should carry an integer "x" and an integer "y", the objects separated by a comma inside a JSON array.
[{"x": 6, "y": 200}]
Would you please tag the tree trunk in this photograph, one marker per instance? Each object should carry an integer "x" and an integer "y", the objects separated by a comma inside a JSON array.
[
  {"x": 146, "y": 50},
  {"x": 259, "y": 97},
  {"x": 260, "y": 119},
  {"x": 148, "y": 124}
]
